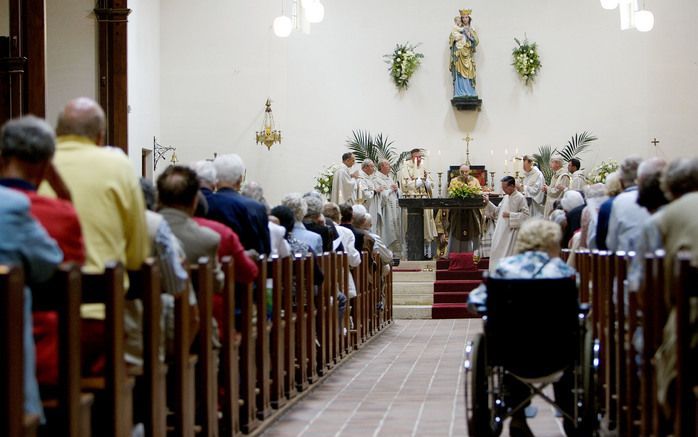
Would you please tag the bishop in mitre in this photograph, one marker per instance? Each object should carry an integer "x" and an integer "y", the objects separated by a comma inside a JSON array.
[
  {"x": 532, "y": 186},
  {"x": 344, "y": 181},
  {"x": 558, "y": 185},
  {"x": 368, "y": 193},
  {"x": 511, "y": 212},
  {"x": 388, "y": 222},
  {"x": 463, "y": 226},
  {"x": 414, "y": 179}
]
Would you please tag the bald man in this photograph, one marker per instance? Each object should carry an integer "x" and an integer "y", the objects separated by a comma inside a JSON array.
[
  {"x": 108, "y": 199},
  {"x": 463, "y": 226}
]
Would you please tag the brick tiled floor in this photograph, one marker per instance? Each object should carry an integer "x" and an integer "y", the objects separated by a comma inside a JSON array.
[{"x": 406, "y": 382}]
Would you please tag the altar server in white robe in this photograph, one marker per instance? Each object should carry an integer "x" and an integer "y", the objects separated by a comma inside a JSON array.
[
  {"x": 414, "y": 179},
  {"x": 578, "y": 180},
  {"x": 344, "y": 181},
  {"x": 388, "y": 220},
  {"x": 511, "y": 212},
  {"x": 368, "y": 193},
  {"x": 559, "y": 183},
  {"x": 532, "y": 186}
]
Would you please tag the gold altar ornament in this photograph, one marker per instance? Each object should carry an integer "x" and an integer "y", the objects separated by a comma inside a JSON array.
[
  {"x": 465, "y": 12},
  {"x": 268, "y": 135}
]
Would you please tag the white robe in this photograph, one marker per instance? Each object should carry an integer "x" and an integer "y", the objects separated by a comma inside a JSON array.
[
  {"x": 343, "y": 186},
  {"x": 408, "y": 177},
  {"x": 533, "y": 187},
  {"x": 368, "y": 197},
  {"x": 579, "y": 181},
  {"x": 506, "y": 229},
  {"x": 561, "y": 177},
  {"x": 388, "y": 222}
]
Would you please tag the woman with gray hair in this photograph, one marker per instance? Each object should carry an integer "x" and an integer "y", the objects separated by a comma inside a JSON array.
[
  {"x": 537, "y": 257},
  {"x": 299, "y": 207},
  {"x": 596, "y": 195}
]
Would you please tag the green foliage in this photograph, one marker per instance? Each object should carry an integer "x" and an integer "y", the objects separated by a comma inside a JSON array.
[
  {"x": 576, "y": 145},
  {"x": 365, "y": 146},
  {"x": 403, "y": 62},
  {"x": 460, "y": 190},
  {"x": 526, "y": 60}
]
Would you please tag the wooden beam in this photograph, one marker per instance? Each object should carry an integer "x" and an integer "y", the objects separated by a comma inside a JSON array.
[
  {"x": 33, "y": 47},
  {"x": 112, "y": 18}
]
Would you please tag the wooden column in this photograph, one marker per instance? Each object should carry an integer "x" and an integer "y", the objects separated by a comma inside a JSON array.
[{"x": 112, "y": 18}]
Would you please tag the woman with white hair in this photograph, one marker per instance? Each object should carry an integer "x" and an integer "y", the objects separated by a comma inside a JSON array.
[
  {"x": 596, "y": 195},
  {"x": 572, "y": 203},
  {"x": 299, "y": 207}
]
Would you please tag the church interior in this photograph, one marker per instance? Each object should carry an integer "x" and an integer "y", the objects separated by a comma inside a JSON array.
[{"x": 314, "y": 218}]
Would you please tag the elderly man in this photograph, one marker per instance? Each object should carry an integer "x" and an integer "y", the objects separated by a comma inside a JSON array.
[
  {"x": 299, "y": 207},
  {"x": 109, "y": 201},
  {"x": 579, "y": 181},
  {"x": 247, "y": 217},
  {"x": 511, "y": 212},
  {"x": 532, "y": 186},
  {"x": 369, "y": 192},
  {"x": 26, "y": 147},
  {"x": 558, "y": 184},
  {"x": 414, "y": 179},
  {"x": 344, "y": 181},
  {"x": 627, "y": 217},
  {"x": 388, "y": 223},
  {"x": 463, "y": 225}
]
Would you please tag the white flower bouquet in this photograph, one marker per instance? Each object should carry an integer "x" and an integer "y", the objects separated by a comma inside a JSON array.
[
  {"x": 403, "y": 63},
  {"x": 598, "y": 174},
  {"x": 323, "y": 182},
  {"x": 526, "y": 60}
]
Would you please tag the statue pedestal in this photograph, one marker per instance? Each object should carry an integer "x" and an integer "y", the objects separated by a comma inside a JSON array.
[
  {"x": 415, "y": 218},
  {"x": 466, "y": 103}
]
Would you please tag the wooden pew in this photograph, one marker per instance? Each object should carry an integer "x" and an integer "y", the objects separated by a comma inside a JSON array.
[
  {"x": 621, "y": 340},
  {"x": 13, "y": 421},
  {"x": 182, "y": 396},
  {"x": 278, "y": 329},
  {"x": 262, "y": 350},
  {"x": 299, "y": 278},
  {"x": 248, "y": 365},
  {"x": 583, "y": 261},
  {"x": 310, "y": 312},
  {"x": 113, "y": 390},
  {"x": 287, "y": 269},
  {"x": 346, "y": 341},
  {"x": 632, "y": 393},
  {"x": 206, "y": 380},
  {"x": 228, "y": 372},
  {"x": 67, "y": 410},
  {"x": 322, "y": 305},
  {"x": 331, "y": 321},
  {"x": 685, "y": 285}
]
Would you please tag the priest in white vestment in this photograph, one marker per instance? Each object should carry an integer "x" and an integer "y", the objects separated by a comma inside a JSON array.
[
  {"x": 532, "y": 186},
  {"x": 388, "y": 221},
  {"x": 368, "y": 193},
  {"x": 578, "y": 180},
  {"x": 558, "y": 185},
  {"x": 344, "y": 181},
  {"x": 511, "y": 212},
  {"x": 414, "y": 179}
]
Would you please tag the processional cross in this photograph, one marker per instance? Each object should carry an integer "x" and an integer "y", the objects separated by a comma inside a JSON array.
[{"x": 467, "y": 140}]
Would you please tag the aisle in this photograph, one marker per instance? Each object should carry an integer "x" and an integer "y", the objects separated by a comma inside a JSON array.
[{"x": 406, "y": 382}]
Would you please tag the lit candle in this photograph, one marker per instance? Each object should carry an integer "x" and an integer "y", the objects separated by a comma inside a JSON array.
[
  {"x": 506, "y": 165},
  {"x": 492, "y": 153}
]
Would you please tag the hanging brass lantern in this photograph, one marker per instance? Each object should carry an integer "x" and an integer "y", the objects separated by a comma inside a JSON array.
[{"x": 268, "y": 135}]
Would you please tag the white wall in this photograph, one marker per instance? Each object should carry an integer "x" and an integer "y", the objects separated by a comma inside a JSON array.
[
  {"x": 143, "y": 77},
  {"x": 220, "y": 61},
  {"x": 4, "y": 17},
  {"x": 71, "y": 54}
]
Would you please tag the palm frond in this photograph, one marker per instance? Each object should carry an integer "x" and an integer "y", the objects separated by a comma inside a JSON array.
[
  {"x": 543, "y": 161},
  {"x": 576, "y": 145},
  {"x": 365, "y": 146},
  {"x": 360, "y": 144}
]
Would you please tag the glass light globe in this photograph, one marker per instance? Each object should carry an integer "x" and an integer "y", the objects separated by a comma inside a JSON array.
[
  {"x": 282, "y": 26},
  {"x": 644, "y": 20},
  {"x": 306, "y": 3},
  {"x": 315, "y": 12},
  {"x": 609, "y": 4}
]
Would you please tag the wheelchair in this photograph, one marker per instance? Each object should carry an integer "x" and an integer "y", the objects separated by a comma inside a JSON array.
[{"x": 535, "y": 333}]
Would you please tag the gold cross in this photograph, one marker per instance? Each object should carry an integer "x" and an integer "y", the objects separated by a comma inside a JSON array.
[{"x": 467, "y": 140}]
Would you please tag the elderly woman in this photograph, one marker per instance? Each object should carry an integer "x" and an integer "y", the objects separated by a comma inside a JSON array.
[
  {"x": 537, "y": 248},
  {"x": 299, "y": 207},
  {"x": 572, "y": 203}
]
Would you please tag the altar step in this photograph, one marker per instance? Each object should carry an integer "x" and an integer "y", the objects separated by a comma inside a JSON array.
[
  {"x": 413, "y": 295},
  {"x": 451, "y": 289}
]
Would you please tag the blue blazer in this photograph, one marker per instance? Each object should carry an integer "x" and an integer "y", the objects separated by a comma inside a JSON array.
[{"x": 247, "y": 217}]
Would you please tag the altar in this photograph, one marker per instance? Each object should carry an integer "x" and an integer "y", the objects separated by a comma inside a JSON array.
[{"x": 415, "y": 217}]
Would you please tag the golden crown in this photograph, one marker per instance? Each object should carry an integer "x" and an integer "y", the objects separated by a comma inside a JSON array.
[{"x": 465, "y": 12}]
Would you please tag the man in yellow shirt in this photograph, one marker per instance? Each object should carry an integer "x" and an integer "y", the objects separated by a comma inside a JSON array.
[{"x": 107, "y": 197}]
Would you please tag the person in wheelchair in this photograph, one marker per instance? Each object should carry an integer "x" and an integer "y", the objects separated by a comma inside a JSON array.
[{"x": 532, "y": 335}]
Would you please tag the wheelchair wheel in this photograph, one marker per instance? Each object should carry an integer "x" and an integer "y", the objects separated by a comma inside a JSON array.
[
  {"x": 590, "y": 362},
  {"x": 483, "y": 420}
]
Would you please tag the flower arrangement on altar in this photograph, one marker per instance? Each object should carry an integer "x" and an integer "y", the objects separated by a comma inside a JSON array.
[
  {"x": 526, "y": 60},
  {"x": 323, "y": 182},
  {"x": 460, "y": 190},
  {"x": 599, "y": 173},
  {"x": 403, "y": 63}
]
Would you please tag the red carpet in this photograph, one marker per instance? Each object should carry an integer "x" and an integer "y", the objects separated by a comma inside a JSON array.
[{"x": 451, "y": 290}]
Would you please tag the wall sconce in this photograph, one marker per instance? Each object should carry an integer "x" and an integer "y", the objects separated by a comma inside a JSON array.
[
  {"x": 268, "y": 135},
  {"x": 160, "y": 151}
]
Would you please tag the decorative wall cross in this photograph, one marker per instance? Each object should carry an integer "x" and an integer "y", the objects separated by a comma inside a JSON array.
[{"x": 655, "y": 142}]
